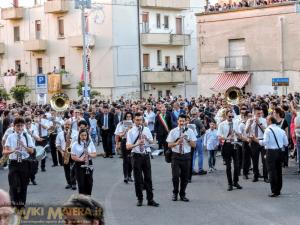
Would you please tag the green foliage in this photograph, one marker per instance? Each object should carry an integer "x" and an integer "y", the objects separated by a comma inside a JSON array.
[
  {"x": 20, "y": 75},
  {"x": 19, "y": 93},
  {"x": 79, "y": 87},
  {"x": 4, "y": 94}
]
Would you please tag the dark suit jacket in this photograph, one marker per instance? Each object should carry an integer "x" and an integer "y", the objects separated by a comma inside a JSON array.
[
  {"x": 111, "y": 124},
  {"x": 116, "y": 119},
  {"x": 159, "y": 128}
]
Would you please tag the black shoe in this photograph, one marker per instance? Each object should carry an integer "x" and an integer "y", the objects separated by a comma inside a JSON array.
[
  {"x": 153, "y": 203},
  {"x": 237, "y": 186},
  {"x": 33, "y": 182},
  {"x": 202, "y": 172},
  {"x": 194, "y": 173},
  {"x": 266, "y": 180},
  {"x": 174, "y": 197},
  {"x": 230, "y": 188},
  {"x": 74, "y": 187},
  {"x": 43, "y": 170},
  {"x": 260, "y": 176},
  {"x": 246, "y": 177},
  {"x": 111, "y": 156},
  {"x": 273, "y": 195},
  {"x": 68, "y": 186},
  {"x": 139, "y": 203},
  {"x": 130, "y": 179},
  {"x": 184, "y": 199},
  {"x": 113, "y": 153},
  {"x": 54, "y": 165},
  {"x": 255, "y": 180},
  {"x": 104, "y": 156},
  {"x": 126, "y": 180}
]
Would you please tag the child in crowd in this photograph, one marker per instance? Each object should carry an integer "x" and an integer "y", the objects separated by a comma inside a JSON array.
[
  {"x": 93, "y": 127},
  {"x": 211, "y": 143}
]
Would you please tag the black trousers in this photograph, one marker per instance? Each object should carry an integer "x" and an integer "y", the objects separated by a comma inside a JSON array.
[
  {"x": 191, "y": 164},
  {"x": 43, "y": 144},
  {"x": 230, "y": 154},
  {"x": 162, "y": 143},
  {"x": 107, "y": 142},
  {"x": 56, "y": 156},
  {"x": 18, "y": 179},
  {"x": 142, "y": 175},
  {"x": 256, "y": 151},
  {"x": 70, "y": 172},
  {"x": 240, "y": 157},
  {"x": 274, "y": 164},
  {"x": 180, "y": 172},
  {"x": 127, "y": 165},
  {"x": 84, "y": 180},
  {"x": 33, "y": 169},
  {"x": 246, "y": 158}
]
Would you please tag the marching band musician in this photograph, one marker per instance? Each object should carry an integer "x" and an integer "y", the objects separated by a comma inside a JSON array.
[
  {"x": 81, "y": 152},
  {"x": 18, "y": 145},
  {"x": 255, "y": 127},
  {"x": 181, "y": 139},
  {"x": 43, "y": 125},
  {"x": 227, "y": 133},
  {"x": 120, "y": 134},
  {"x": 137, "y": 139},
  {"x": 61, "y": 145}
]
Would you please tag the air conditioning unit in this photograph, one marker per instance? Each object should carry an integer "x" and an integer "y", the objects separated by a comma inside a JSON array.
[{"x": 147, "y": 87}]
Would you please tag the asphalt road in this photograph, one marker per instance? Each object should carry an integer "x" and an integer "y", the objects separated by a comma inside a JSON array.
[{"x": 211, "y": 203}]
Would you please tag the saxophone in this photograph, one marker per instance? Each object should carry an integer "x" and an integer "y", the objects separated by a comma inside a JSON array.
[
  {"x": 67, "y": 152},
  {"x": 4, "y": 159}
]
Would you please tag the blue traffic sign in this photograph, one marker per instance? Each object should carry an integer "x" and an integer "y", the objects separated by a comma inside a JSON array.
[
  {"x": 41, "y": 84},
  {"x": 280, "y": 80}
]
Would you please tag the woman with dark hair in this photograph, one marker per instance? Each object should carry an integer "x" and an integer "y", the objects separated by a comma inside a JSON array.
[
  {"x": 81, "y": 152},
  {"x": 121, "y": 138}
]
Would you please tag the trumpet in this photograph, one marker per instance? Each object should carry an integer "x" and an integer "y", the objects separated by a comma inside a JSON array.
[
  {"x": 67, "y": 152},
  {"x": 87, "y": 166}
]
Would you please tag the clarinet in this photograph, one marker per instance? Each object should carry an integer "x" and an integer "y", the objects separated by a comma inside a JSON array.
[
  {"x": 87, "y": 166},
  {"x": 18, "y": 153},
  {"x": 181, "y": 141},
  {"x": 141, "y": 138}
]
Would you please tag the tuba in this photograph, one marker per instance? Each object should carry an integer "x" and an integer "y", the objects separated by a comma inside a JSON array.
[
  {"x": 60, "y": 102},
  {"x": 233, "y": 95}
]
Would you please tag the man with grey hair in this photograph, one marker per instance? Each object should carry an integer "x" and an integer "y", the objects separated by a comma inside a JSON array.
[{"x": 7, "y": 216}]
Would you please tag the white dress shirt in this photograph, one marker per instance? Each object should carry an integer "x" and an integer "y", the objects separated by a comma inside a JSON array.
[
  {"x": 33, "y": 132},
  {"x": 150, "y": 118},
  {"x": 43, "y": 132},
  {"x": 175, "y": 134},
  {"x": 269, "y": 140},
  {"x": 12, "y": 143},
  {"x": 263, "y": 125},
  {"x": 133, "y": 133},
  {"x": 78, "y": 149},
  {"x": 223, "y": 129},
  {"x": 60, "y": 139},
  {"x": 211, "y": 140}
]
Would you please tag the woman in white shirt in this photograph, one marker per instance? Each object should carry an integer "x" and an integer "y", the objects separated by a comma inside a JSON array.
[{"x": 81, "y": 152}]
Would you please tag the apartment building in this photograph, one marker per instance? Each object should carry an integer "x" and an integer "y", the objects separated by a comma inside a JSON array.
[
  {"x": 38, "y": 36},
  {"x": 168, "y": 41},
  {"x": 248, "y": 47}
]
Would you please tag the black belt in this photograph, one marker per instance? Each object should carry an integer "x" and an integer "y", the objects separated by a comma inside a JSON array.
[
  {"x": 139, "y": 154},
  {"x": 180, "y": 154}
]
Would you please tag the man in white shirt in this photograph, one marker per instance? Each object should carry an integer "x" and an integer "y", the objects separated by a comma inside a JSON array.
[
  {"x": 181, "y": 139},
  {"x": 255, "y": 127},
  {"x": 274, "y": 141},
  {"x": 227, "y": 134},
  {"x": 18, "y": 146},
  {"x": 138, "y": 137},
  {"x": 149, "y": 116}
]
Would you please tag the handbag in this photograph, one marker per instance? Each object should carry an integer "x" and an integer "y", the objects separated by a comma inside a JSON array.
[{"x": 168, "y": 155}]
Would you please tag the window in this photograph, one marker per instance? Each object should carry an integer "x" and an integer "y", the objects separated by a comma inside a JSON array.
[
  {"x": 62, "y": 65},
  {"x": 158, "y": 20},
  {"x": 159, "y": 58},
  {"x": 145, "y": 22},
  {"x": 179, "y": 62},
  {"x": 86, "y": 19},
  {"x": 16, "y": 3},
  {"x": 39, "y": 63},
  {"x": 146, "y": 61},
  {"x": 16, "y": 33},
  {"x": 166, "y": 22},
  {"x": 61, "y": 28},
  {"x": 18, "y": 65},
  {"x": 37, "y": 29}
]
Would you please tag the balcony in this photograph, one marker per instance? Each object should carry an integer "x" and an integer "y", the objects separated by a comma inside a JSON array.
[
  {"x": 77, "y": 42},
  {"x": 166, "y": 39},
  {"x": 235, "y": 63},
  {"x": 13, "y": 13},
  {"x": 166, "y": 77},
  {"x": 56, "y": 6},
  {"x": 35, "y": 45},
  {"x": 166, "y": 4},
  {"x": 2, "y": 48}
]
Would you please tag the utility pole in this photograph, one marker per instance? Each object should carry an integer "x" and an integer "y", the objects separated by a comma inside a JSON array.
[
  {"x": 83, "y": 4},
  {"x": 139, "y": 49}
]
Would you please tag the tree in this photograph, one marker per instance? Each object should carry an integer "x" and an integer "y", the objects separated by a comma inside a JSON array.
[
  {"x": 79, "y": 87},
  {"x": 19, "y": 93},
  {"x": 4, "y": 94}
]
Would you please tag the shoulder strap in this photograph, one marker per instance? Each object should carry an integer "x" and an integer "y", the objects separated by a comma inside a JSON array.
[
  {"x": 25, "y": 136},
  {"x": 275, "y": 137},
  {"x": 138, "y": 135}
]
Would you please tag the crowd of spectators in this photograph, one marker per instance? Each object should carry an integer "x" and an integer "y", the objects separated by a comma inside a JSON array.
[{"x": 242, "y": 4}]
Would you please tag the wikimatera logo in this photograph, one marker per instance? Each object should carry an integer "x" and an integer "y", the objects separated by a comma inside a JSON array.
[{"x": 54, "y": 214}]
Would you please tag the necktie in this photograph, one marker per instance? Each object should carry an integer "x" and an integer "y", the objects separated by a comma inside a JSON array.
[
  {"x": 105, "y": 122},
  {"x": 256, "y": 130},
  {"x": 230, "y": 128},
  {"x": 40, "y": 130}
]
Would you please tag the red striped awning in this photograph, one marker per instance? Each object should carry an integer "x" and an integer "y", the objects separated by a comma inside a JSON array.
[{"x": 227, "y": 80}]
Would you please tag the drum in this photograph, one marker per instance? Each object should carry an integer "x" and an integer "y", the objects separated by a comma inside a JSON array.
[{"x": 40, "y": 153}]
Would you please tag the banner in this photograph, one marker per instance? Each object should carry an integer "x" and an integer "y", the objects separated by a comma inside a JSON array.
[
  {"x": 54, "y": 83},
  {"x": 9, "y": 82}
]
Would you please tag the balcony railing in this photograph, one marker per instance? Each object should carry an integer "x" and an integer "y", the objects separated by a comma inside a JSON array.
[
  {"x": 13, "y": 13},
  {"x": 56, "y": 6},
  {"x": 35, "y": 45},
  {"x": 166, "y": 4},
  {"x": 77, "y": 42},
  {"x": 166, "y": 39},
  {"x": 163, "y": 77},
  {"x": 235, "y": 63},
  {"x": 2, "y": 48}
]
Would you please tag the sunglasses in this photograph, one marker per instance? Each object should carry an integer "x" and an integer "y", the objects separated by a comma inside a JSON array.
[{"x": 230, "y": 117}]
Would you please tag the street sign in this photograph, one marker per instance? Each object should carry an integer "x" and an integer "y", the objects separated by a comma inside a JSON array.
[
  {"x": 87, "y": 93},
  {"x": 41, "y": 99},
  {"x": 281, "y": 81},
  {"x": 41, "y": 84},
  {"x": 83, "y": 3}
]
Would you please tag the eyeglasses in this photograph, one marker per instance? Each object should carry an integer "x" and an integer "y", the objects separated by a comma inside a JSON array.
[{"x": 230, "y": 117}]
